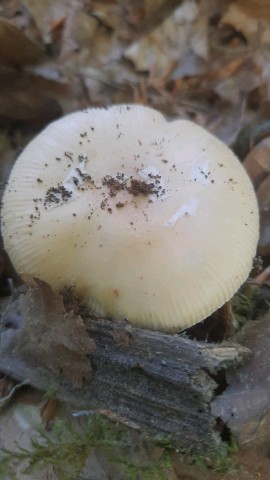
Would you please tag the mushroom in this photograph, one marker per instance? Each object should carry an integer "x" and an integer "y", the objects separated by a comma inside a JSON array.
[{"x": 150, "y": 220}]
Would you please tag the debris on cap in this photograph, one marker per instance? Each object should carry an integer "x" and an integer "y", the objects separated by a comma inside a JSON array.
[{"x": 150, "y": 220}]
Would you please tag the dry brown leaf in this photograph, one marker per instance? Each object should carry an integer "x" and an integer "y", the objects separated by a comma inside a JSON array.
[
  {"x": 28, "y": 109},
  {"x": 151, "y": 6},
  {"x": 224, "y": 71},
  {"x": 240, "y": 21},
  {"x": 245, "y": 404},
  {"x": 263, "y": 194},
  {"x": 10, "y": 8},
  {"x": 147, "y": 14},
  {"x": 252, "y": 19},
  {"x": 109, "y": 14},
  {"x": 155, "y": 11},
  {"x": 43, "y": 83},
  {"x": 49, "y": 410},
  {"x": 259, "y": 9},
  {"x": 47, "y": 14},
  {"x": 257, "y": 162},
  {"x": 167, "y": 43},
  {"x": 82, "y": 29},
  {"x": 264, "y": 241},
  {"x": 16, "y": 50},
  {"x": 38, "y": 330},
  {"x": 199, "y": 39},
  {"x": 86, "y": 42}
]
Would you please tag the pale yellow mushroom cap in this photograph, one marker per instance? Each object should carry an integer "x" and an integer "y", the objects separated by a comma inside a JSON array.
[{"x": 152, "y": 221}]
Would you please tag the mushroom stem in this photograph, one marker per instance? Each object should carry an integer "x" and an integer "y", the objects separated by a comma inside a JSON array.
[
  {"x": 216, "y": 327},
  {"x": 225, "y": 314}
]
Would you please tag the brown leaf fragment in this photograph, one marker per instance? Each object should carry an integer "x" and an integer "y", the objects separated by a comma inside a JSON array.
[
  {"x": 16, "y": 50},
  {"x": 38, "y": 330},
  {"x": 28, "y": 109},
  {"x": 47, "y": 15},
  {"x": 245, "y": 404},
  {"x": 263, "y": 194},
  {"x": 148, "y": 14},
  {"x": 49, "y": 410},
  {"x": 36, "y": 98},
  {"x": 264, "y": 240},
  {"x": 259, "y": 9},
  {"x": 167, "y": 43},
  {"x": 224, "y": 71},
  {"x": 257, "y": 162},
  {"x": 251, "y": 20}
]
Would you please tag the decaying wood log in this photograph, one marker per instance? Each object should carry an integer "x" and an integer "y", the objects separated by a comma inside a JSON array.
[{"x": 158, "y": 383}]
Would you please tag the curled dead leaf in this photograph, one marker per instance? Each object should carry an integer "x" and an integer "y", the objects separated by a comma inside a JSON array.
[{"x": 38, "y": 331}]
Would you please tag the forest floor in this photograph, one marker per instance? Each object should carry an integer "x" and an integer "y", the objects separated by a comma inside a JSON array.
[{"x": 206, "y": 61}]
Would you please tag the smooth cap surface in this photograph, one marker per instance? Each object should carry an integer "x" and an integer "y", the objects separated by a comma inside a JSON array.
[{"x": 151, "y": 220}]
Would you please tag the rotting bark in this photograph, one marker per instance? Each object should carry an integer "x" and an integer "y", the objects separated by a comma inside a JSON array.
[{"x": 158, "y": 383}]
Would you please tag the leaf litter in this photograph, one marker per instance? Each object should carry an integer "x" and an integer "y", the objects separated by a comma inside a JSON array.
[{"x": 207, "y": 61}]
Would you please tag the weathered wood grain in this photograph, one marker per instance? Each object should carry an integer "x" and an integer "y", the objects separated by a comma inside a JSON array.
[{"x": 158, "y": 383}]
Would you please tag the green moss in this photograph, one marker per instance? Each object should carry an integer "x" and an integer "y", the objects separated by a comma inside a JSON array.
[
  {"x": 221, "y": 460},
  {"x": 250, "y": 302},
  {"x": 137, "y": 456},
  {"x": 67, "y": 450}
]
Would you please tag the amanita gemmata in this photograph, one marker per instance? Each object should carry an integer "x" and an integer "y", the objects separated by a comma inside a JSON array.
[{"x": 150, "y": 220}]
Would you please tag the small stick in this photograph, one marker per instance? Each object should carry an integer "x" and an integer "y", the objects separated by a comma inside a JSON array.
[{"x": 262, "y": 277}]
